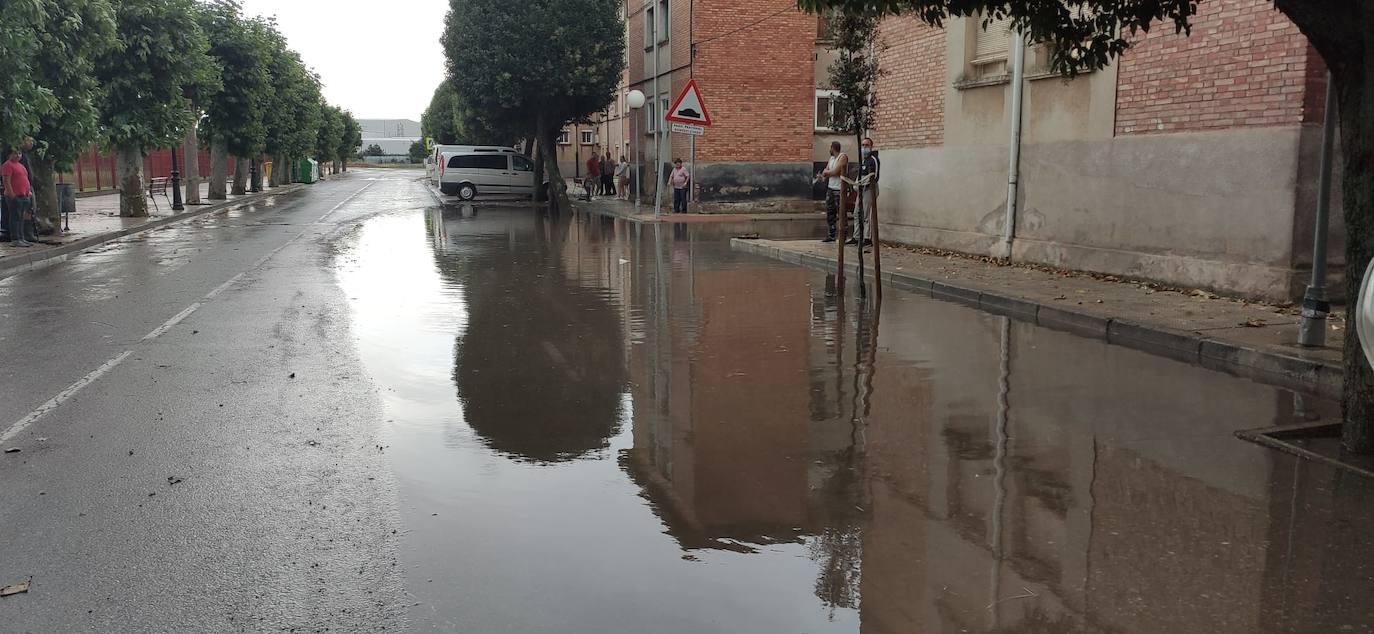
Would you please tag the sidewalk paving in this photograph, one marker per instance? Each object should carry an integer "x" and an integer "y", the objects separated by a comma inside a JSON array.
[
  {"x": 776, "y": 225},
  {"x": 1244, "y": 338},
  {"x": 97, "y": 220}
]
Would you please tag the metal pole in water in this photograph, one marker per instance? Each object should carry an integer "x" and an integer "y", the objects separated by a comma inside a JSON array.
[{"x": 1315, "y": 306}]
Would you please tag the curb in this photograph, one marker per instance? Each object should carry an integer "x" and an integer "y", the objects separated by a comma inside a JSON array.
[
  {"x": 15, "y": 264},
  {"x": 1315, "y": 377}
]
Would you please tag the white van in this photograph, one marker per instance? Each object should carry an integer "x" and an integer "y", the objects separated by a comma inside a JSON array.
[{"x": 472, "y": 171}]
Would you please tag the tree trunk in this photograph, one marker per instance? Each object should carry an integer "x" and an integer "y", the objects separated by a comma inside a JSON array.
[
  {"x": 548, "y": 139},
  {"x": 133, "y": 203},
  {"x": 46, "y": 215},
  {"x": 192, "y": 167},
  {"x": 538, "y": 172},
  {"x": 219, "y": 171},
  {"x": 1356, "y": 90},
  {"x": 255, "y": 175},
  {"x": 240, "y": 177}
]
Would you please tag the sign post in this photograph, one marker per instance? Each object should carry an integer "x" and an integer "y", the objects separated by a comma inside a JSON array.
[{"x": 689, "y": 116}]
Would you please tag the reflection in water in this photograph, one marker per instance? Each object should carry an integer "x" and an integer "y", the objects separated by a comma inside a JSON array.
[
  {"x": 539, "y": 367},
  {"x": 823, "y": 464}
]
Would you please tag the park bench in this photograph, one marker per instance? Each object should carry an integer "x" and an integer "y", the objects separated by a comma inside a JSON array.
[{"x": 158, "y": 187}]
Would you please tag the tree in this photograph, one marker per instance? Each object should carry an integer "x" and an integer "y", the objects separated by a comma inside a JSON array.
[
  {"x": 418, "y": 152},
  {"x": 350, "y": 140},
  {"x": 1091, "y": 33},
  {"x": 327, "y": 136},
  {"x": 374, "y": 150},
  {"x": 853, "y": 75},
  {"x": 531, "y": 67},
  {"x": 440, "y": 119},
  {"x": 161, "y": 55},
  {"x": 22, "y": 99},
  {"x": 233, "y": 122},
  {"x": 72, "y": 34},
  {"x": 292, "y": 112}
]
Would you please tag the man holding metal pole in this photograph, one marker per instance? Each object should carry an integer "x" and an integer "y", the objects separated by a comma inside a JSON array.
[{"x": 869, "y": 168}]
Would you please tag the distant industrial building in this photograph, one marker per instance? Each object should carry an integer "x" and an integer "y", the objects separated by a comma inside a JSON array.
[{"x": 394, "y": 136}]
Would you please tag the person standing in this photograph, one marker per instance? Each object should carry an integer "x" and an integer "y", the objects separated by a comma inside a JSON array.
[
  {"x": 869, "y": 170},
  {"x": 24, "y": 150},
  {"x": 681, "y": 180},
  {"x": 608, "y": 175},
  {"x": 622, "y": 177},
  {"x": 593, "y": 175},
  {"x": 18, "y": 197},
  {"x": 834, "y": 171}
]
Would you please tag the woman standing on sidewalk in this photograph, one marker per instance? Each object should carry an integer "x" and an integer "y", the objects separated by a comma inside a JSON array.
[{"x": 622, "y": 178}]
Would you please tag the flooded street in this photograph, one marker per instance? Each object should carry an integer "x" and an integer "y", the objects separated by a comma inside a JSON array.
[{"x": 601, "y": 426}]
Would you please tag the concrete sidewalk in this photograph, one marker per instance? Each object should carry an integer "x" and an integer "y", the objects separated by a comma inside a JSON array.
[
  {"x": 1247, "y": 339},
  {"x": 97, "y": 221},
  {"x": 775, "y": 225}
]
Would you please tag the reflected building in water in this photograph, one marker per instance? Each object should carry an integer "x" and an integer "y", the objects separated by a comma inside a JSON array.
[{"x": 945, "y": 469}]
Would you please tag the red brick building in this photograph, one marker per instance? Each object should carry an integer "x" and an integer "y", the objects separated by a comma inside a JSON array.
[
  {"x": 1192, "y": 160},
  {"x": 760, "y": 66}
]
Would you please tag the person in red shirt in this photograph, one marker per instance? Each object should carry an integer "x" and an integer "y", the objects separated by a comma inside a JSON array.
[
  {"x": 18, "y": 197},
  {"x": 593, "y": 175}
]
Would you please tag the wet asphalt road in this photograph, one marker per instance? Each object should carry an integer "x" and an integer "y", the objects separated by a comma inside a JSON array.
[{"x": 384, "y": 413}]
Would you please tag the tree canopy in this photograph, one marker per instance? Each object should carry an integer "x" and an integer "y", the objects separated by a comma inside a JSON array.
[
  {"x": 22, "y": 99},
  {"x": 531, "y": 67},
  {"x": 72, "y": 34},
  {"x": 234, "y": 114},
  {"x": 161, "y": 57},
  {"x": 350, "y": 138},
  {"x": 292, "y": 113}
]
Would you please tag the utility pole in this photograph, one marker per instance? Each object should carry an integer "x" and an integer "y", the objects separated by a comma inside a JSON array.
[{"x": 1315, "y": 307}]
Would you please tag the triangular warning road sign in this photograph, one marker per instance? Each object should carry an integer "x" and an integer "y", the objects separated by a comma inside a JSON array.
[{"x": 689, "y": 108}]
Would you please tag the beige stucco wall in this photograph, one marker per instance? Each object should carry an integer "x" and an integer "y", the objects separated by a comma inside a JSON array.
[{"x": 1209, "y": 209}]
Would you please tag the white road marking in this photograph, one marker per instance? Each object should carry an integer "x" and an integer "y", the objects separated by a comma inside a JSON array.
[
  {"x": 345, "y": 201},
  {"x": 84, "y": 381},
  {"x": 62, "y": 397}
]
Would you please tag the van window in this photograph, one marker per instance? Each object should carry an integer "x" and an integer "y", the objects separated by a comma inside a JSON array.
[
  {"x": 522, "y": 164},
  {"x": 478, "y": 161}
]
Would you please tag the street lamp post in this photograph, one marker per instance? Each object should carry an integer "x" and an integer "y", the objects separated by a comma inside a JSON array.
[
  {"x": 636, "y": 101},
  {"x": 176, "y": 183}
]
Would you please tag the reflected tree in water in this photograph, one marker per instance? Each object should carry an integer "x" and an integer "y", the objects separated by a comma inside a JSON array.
[{"x": 539, "y": 368}]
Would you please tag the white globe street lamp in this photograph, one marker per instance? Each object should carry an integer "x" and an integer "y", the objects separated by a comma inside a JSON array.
[{"x": 636, "y": 101}]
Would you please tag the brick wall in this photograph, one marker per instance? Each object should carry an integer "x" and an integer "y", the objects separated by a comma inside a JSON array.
[
  {"x": 757, "y": 80},
  {"x": 911, "y": 95},
  {"x": 1245, "y": 64}
]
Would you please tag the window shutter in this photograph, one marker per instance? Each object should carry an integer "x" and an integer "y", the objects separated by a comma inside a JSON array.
[{"x": 994, "y": 42}]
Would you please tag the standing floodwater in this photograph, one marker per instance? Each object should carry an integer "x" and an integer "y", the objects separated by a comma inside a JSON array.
[{"x": 600, "y": 426}]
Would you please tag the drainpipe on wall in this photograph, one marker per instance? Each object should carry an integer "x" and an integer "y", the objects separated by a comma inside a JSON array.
[
  {"x": 1315, "y": 307},
  {"x": 1018, "y": 81}
]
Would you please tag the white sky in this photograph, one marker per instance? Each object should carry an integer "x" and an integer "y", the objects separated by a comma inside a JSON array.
[{"x": 379, "y": 59}]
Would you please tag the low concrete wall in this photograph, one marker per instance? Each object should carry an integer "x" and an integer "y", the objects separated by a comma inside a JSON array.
[{"x": 1213, "y": 210}]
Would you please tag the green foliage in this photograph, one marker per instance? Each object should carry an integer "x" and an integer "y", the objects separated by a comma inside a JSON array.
[
  {"x": 234, "y": 114},
  {"x": 534, "y": 64},
  {"x": 374, "y": 150},
  {"x": 440, "y": 119},
  {"x": 22, "y": 99},
  {"x": 292, "y": 114},
  {"x": 855, "y": 70},
  {"x": 350, "y": 139},
  {"x": 330, "y": 131},
  {"x": 71, "y": 36},
  {"x": 160, "y": 58},
  {"x": 418, "y": 152},
  {"x": 1082, "y": 34}
]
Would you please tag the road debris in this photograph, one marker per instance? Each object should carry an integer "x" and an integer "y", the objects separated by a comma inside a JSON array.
[
  {"x": 12, "y": 450},
  {"x": 18, "y": 588},
  {"x": 173, "y": 480},
  {"x": 1255, "y": 323}
]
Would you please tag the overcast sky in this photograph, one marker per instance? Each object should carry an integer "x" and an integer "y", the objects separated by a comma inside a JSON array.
[{"x": 380, "y": 59}]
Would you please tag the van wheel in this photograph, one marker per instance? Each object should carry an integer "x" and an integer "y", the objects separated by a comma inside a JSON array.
[{"x": 466, "y": 191}]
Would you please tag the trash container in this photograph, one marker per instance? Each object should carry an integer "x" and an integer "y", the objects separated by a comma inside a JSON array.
[
  {"x": 66, "y": 197},
  {"x": 305, "y": 171}
]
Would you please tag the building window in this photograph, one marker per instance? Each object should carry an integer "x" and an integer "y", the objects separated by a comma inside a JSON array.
[
  {"x": 991, "y": 45},
  {"x": 664, "y": 103},
  {"x": 663, "y": 23},
  {"x": 564, "y": 138},
  {"x": 650, "y": 118},
  {"x": 649, "y": 28},
  {"x": 588, "y": 137},
  {"x": 825, "y": 109}
]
